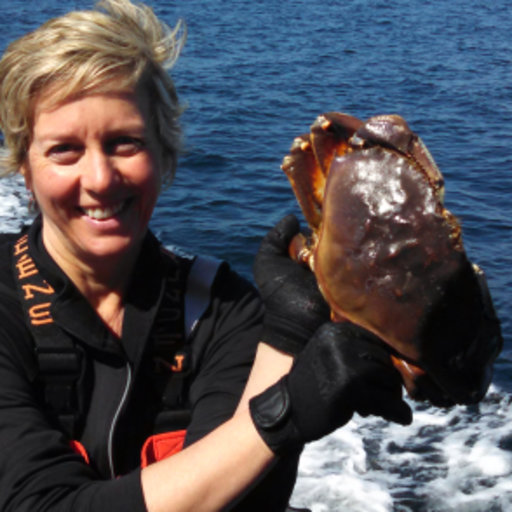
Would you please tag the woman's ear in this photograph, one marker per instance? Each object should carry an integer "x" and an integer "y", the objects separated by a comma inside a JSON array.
[
  {"x": 25, "y": 172},
  {"x": 27, "y": 176}
]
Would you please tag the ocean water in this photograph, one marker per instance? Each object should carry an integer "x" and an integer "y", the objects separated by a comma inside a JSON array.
[{"x": 256, "y": 74}]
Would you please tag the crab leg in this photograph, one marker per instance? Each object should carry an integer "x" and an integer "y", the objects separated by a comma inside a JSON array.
[{"x": 306, "y": 178}]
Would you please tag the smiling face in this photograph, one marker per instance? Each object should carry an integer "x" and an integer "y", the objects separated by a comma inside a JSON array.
[{"x": 95, "y": 177}]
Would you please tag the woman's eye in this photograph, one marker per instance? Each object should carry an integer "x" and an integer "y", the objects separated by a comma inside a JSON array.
[
  {"x": 125, "y": 146},
  {"x": 64, "y": 153}
]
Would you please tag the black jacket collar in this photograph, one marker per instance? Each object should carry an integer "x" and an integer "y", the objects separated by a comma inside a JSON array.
[{"x": 73, "y": 313}]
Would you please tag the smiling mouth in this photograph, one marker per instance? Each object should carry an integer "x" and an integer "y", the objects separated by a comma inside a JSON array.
[{"x": 105, "y": 212}]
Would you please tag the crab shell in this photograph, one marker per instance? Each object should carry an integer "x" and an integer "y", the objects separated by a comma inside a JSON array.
[{"x": 388, "y": 256}]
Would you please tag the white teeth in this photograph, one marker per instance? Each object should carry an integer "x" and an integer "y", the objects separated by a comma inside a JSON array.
[{"x": 103, "y": 213}]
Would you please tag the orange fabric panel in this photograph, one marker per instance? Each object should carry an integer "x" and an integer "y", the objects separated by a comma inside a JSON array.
[
  {"x": 78, "y": 447},
  {"x": 161, "y": 446}
]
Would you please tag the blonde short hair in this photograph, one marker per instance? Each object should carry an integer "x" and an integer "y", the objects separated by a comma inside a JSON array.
[{"x": 119, "y": 45}]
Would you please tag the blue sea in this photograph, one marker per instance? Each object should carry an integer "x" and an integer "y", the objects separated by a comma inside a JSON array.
[{"x": 254, "y": 74}]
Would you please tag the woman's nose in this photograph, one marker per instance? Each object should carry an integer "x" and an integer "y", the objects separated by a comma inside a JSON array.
[{"x": 99, "y": 173}]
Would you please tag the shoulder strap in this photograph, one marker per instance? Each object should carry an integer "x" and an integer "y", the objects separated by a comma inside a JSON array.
[
  {"x": 198, "y": 290},
  {"x": 59, "y": 361},
  {"x": 174, "y": 347}
]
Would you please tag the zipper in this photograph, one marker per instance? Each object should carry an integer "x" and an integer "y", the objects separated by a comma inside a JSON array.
[{"x": 116, "y": 418}]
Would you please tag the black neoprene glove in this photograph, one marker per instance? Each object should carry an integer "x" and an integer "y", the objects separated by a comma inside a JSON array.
[
  {"x": 486, "y": 345},
  {"x": 294, "y": 307},
  {"x": 343, "y": 369}
]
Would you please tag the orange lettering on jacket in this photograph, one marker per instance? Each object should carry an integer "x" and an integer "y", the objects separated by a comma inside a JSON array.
[
  {"x": 178, "y": 363},
  {"x": 29, "y": 290},
  {"x": 40, "y": 314},
  {"x": 35, "y": 289}
]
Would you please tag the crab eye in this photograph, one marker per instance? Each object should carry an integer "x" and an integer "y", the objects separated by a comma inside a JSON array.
[{"x": 357, "y": 142}]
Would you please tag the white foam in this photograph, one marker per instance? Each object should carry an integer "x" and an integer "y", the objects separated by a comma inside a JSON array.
[
  {"x": 447, "y": 460},
  {"x": 13, "y": 204}
]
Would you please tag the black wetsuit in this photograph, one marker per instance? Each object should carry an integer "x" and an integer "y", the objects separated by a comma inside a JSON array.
[{"x": 125, "y": 391}]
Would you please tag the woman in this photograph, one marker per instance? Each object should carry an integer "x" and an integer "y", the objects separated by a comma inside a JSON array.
[{"x": 101, "y": 381}]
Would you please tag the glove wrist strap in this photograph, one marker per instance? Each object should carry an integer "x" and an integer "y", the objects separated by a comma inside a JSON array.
[{"x": 272, "y": 416}]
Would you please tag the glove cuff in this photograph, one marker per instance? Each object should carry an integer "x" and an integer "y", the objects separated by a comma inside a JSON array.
[
  {"x": 272, "y": 416},
  {"x": 284, "y": 334}
]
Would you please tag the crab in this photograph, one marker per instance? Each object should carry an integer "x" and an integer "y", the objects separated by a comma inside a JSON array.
[{"x": 388, "y": 256}]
